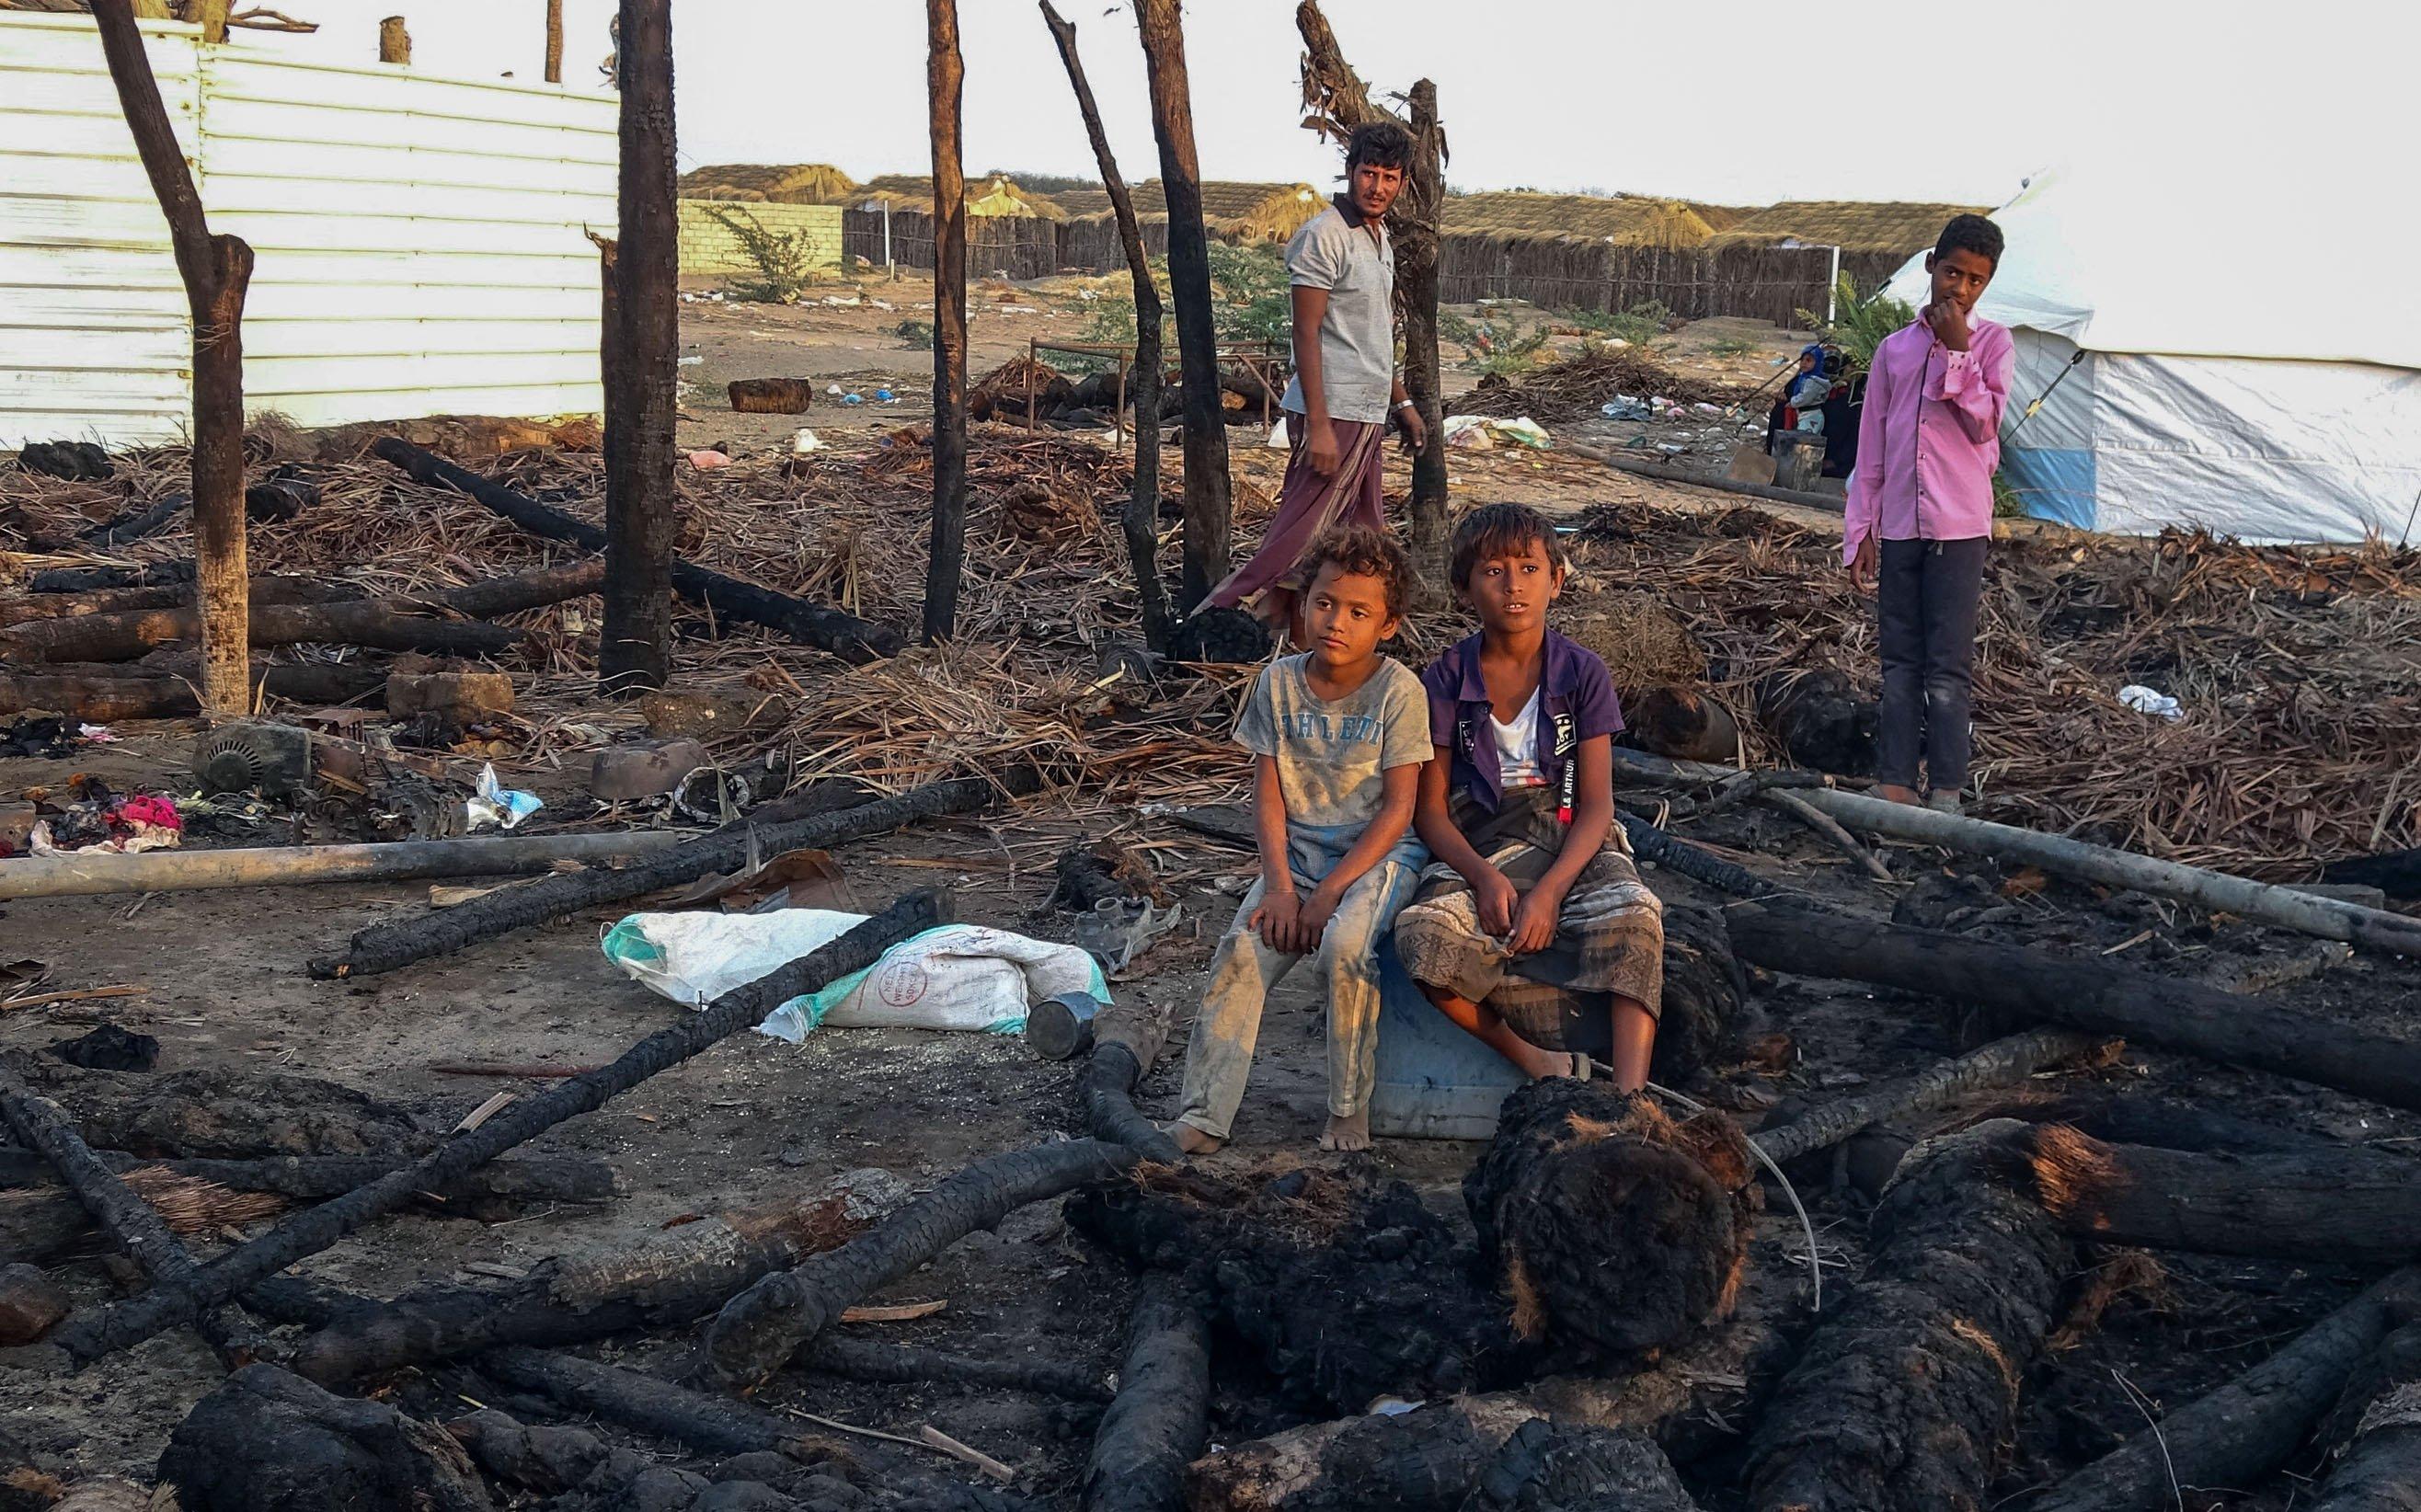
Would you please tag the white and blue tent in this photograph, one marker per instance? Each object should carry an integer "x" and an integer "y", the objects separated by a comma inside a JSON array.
[{"x": 2198, "y": 352}]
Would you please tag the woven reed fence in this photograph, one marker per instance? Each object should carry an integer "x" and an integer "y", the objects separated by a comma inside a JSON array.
[
  {"x": 1020, "y": 246},
  {"x": 1761, "y": 282}
]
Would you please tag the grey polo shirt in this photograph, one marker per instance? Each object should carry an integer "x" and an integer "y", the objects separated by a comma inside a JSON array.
[{"x": 1357, "y": 337}]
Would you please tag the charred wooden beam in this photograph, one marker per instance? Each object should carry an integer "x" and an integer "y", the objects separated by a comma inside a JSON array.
[
  {"x": 387, "y": 947},
  {"x": 267, "y": 1440},
  {"x": 1126, "y": 1042},
  {"x": 91, "y": 1334},
  {"x": 101, "y": 696},
  {"x": 860, "y": 1359},
  {"x": 635, "y": 650},
  {"x": 2376, "y": 1431},
  {"x": 549, "y": 1178},
  {"x": 762, "y": 1327},
  {"x": 2092, "y": 995},
  {"x": 726, "y": 598},
  {"x": 2001, "y": 1063}
]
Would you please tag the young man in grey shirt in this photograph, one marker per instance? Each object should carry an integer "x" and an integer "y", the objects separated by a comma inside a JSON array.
[{"x": 1343, "y": 270}]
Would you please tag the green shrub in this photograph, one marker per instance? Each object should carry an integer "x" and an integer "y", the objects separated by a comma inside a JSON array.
[
  {"x": 783, "y": 263},
  {"x": 1860, "y": 321}
]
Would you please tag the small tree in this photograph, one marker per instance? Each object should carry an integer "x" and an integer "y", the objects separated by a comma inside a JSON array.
[{"x": 783, "y": 260}]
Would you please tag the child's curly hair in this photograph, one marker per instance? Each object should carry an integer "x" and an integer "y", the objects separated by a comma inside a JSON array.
[
  {"x": 1365, "y": 551},
  {"x": 1499, "y": 530}
]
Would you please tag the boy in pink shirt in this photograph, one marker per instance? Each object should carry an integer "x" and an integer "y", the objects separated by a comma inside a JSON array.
[{"x": 1920, "y": 511}]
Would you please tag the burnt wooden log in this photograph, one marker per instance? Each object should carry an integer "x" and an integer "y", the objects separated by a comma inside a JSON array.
[
  {"x": 2347, "y": 1204},
  {"x": 1208, "y": 489},
  {"x": 1655, "y": 848},
  {"x": 276, "y": 589},
  {"x": 179, "y": 572},
  {"x": 268, "y": 1440},
  {"x": 387, "y": 947},
  {"x": 770, "y": 395},
  {"x": 663, "y": 1281},
  {"x": 2001, "y": 1063},
  {"x": 2092, "y": 995},
  {"x": 2376, "y": 1431},
  {"x": 1139, "y": 522},
  {"x": 762, "y": 1327},
  {"x": 1819, "y": 720},
  {"x": 2163, "y": 1123},
  {"x": 706, "y": 1424},
  {"x": 1341, "y": 1288},
  {"x": 109, "y": 694},
  {"x": 1907, "y": 1391},
  {"x": 1605, "y": 1221},
  {"x": 2247, "y": 1429},
  {"x": 859, "y": 1358},
  {"x": 46, "y": 1225},
  {"x": 87, "y": 1336},
  {"x": 1126, "y": 1041},
  {"x": 1682, "y": 723},
  {"x": 136, "y": 523},
  {"x": 390, "y": 626},
  {"x": 726, "y": 598},
  {"x": 1161, "y": 1417},
  {"x": 576, "y": 1178}
]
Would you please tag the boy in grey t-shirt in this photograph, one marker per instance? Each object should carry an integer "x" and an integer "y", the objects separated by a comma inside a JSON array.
[{"x": 1340, "y": 733}]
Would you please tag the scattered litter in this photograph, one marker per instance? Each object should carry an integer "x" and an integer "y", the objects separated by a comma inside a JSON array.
[
  {"x": 885, "y": 394},
  {"x": 1624, "y": 407},
  {"x": 39, "y": 735},
  {"x": 833, "y": 389},
  {"x": 493, "y": 805},
  {"x": 1276, "y": 440},
  {"x": 109, "y": 1048},
  {"x": 2144, "y": 700},
  {"x": 708, "y": 460},
  {"x": 882, "y": 305},
  {"x": 960, "y": 977},
  {"x": 1120, "y": 930},
  {"x": 853, "y": 398},
  {"x": 100, "y": 823},
  {"x": 1481, "y": 432},
  {"x": 804, "y": 441},
  {"x": 693, "y": 360}
]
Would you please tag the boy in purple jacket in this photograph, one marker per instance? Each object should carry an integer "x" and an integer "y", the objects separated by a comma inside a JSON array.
[
  {"x": 1920, "y": 511},
  {"x": 1532, "y": 931}
]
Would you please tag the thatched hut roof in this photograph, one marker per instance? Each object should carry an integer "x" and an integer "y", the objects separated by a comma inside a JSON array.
[
  {"x": 792, "y": 184},
  {"x": 1626, "y": 220},
  {"x": 1229, "y": 206},
  {"x": 998, "y": 194},
  {"x": 1897, "y": 226}
]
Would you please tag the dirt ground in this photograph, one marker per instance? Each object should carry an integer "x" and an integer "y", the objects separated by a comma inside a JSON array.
[{"x": 223, "y": 985}]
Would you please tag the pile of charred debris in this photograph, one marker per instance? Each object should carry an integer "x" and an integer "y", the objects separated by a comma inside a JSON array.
[{"x": 1985, "y": 1166}]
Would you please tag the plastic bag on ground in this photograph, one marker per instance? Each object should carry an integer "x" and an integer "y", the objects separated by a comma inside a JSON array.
[
  {"x": 495, "y": 805},
  {"x": 956, "y": 977},
  {"x": 2144, "y": 700}
]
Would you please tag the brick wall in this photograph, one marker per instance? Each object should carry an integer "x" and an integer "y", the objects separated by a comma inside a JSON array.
[{"x": 707, "y": 246}]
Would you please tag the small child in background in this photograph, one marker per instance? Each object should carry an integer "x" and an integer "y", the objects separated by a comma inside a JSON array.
[
  {"x": 1534, "y": 910},
  {"x": 1920, "y": 511},
  {"x": 1340, "y": 732}
]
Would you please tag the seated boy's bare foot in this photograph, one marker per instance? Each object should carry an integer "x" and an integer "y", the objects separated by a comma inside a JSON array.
[
  {"x": 1892, "y": 792},
  {"x": 1192, "y": 1139},
  {"x": 1347, "y": 1133},
  {"x": 1542, "y": 1063}
]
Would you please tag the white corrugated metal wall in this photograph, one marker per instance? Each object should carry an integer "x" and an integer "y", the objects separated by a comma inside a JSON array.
[{"x": 419, "y": 240}]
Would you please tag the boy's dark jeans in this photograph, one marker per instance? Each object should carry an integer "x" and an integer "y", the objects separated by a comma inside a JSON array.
[{"x": 1930, "y": 598}]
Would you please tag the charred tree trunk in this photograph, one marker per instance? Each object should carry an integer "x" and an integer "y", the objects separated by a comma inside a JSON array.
[
  {"x": 1907, "y": 1391},
  {"x": 636, "y": 649},
  {"x": 554, "y": 41},
  {"x": 1336, "y": 101},
  {"x": 577, "y": 1179},
  {"x": 2377, "y": 1429},
  {"x": 666, "y": 1280},
  {"x": 104, "y": 695},
  {"x": 1683, "y": 723},
  {"x": 2245, "y": 1429},
  {"x": 216, "y": 271},
  {"x": 1140, "y": 523},
  {"x": 169, "y": 596},
  {"x": 2001, "y": 1063},
  {"x": 762, "y": 1327},
  {"x": 2349, "y": 1206},
  {"x": 1606, "y": 1222},
  {"x": 810, "y": 624},
  {"x": 1206, "y": 487},
  {"x": 387, "y": 947},
  {"x": 201, "y": 1115},
  {"x": 1161, "y": 1417},
  {"x": 944, "y": 75},
  {"x": 89, "y": 1335},
  {"x": 2080, "y": 994},
  {"x": 390, "y": 623}
]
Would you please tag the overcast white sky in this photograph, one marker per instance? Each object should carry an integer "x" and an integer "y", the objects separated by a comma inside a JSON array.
[{"x": 1742, "y": 102}]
